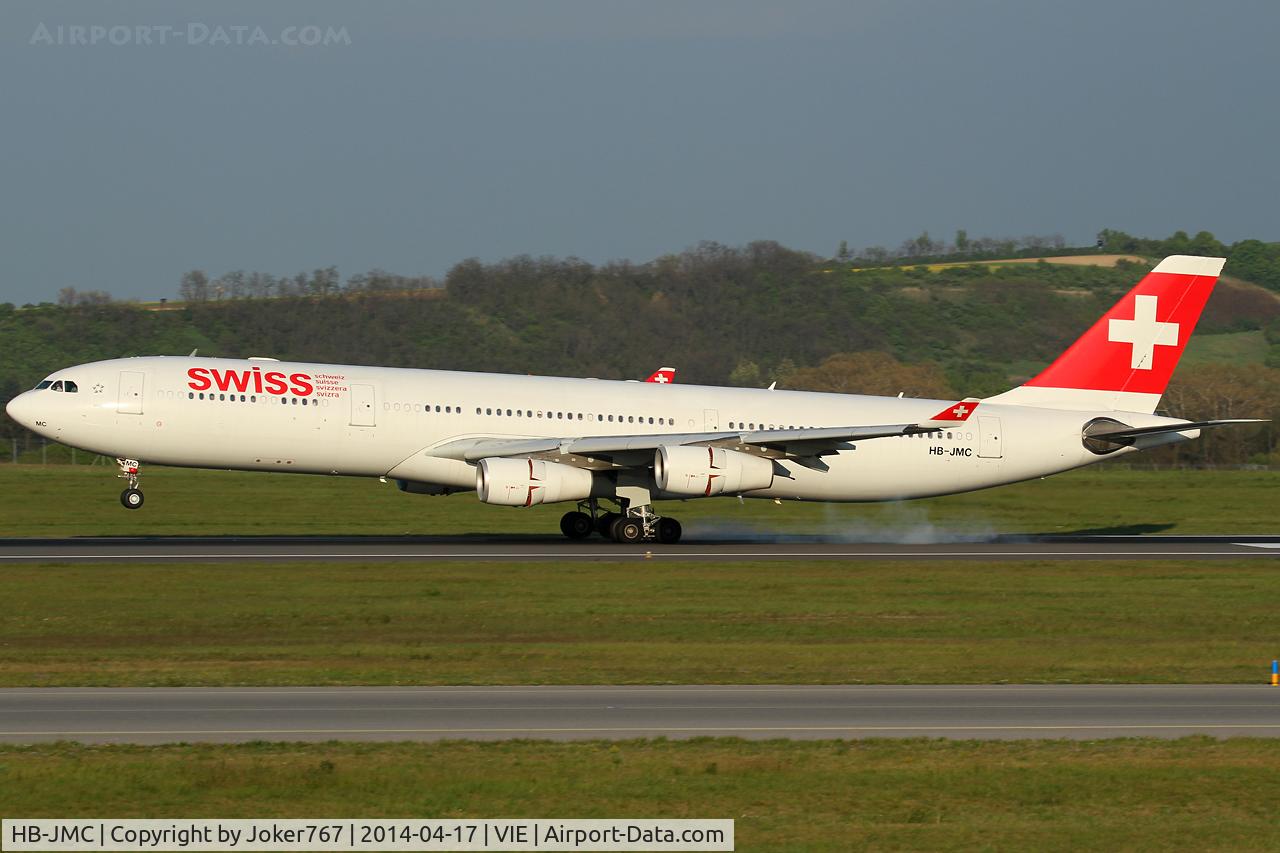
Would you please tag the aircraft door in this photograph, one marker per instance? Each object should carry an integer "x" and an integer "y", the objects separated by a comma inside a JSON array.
[
  {"x": 362, "y": 406},
  {"x": 710, "y": 420},
  {"x": 131, "y": 386},
  {"x": 989, "y": 438}
]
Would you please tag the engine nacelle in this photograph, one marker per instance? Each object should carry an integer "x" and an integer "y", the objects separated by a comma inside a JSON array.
[
  {"x": 708, "y": 471},
  {"x": 527, "y": 482}
]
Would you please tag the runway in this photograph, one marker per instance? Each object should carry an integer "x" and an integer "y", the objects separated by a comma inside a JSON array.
[
  {"x": 534, "y": 548},
  {"x": 160, "y": 715}
]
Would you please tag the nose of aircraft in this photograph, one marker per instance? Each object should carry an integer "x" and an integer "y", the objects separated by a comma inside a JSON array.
[{"x": 20, "y": 408}]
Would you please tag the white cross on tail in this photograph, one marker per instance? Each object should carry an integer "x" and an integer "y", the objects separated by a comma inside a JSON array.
[{"x": 1143, "y": 333}]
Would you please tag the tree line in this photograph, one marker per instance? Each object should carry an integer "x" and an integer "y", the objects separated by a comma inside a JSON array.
[{"x": 747, "y": 315}]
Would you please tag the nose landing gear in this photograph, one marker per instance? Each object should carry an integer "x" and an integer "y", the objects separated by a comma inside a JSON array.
[{"x": 131, "y": 497}]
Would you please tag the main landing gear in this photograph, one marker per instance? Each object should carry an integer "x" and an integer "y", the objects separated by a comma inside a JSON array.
[
  {"x": 633, "y": 524},
  {"x": 131, "y": 497}
]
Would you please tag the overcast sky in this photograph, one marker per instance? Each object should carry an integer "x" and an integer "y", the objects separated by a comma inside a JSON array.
[{"x": 432, "y": 132}]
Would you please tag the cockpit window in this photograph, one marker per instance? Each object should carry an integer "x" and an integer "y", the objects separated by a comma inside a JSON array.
[
  {"x": 70, "y": 387},
  {"x": 57, "y": 386},
  {"x": 43, "y": 384}
]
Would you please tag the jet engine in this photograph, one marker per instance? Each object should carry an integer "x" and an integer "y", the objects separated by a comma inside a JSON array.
[
  {"x": 708, "y": 471},
  {"x": 526, "y": 482}
]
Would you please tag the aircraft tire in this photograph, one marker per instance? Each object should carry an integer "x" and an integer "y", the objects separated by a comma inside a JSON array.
[
  {"x": 604, "y": 524},
  {"x": 576, "y": 525},
  {"x": 669, "y": 531},
  {"x": 131, "y": 498},
  {"x": 628, "y": 530}
]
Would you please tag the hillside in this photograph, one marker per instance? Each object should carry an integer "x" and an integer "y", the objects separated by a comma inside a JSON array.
[{"x": 721, "y": 315}]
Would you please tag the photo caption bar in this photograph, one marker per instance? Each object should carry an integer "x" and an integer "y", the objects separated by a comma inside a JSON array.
[{"x": 343, "y": 834}]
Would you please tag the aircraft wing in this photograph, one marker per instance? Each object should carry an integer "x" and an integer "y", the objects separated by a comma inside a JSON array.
[{"x": 627, "y": 451}]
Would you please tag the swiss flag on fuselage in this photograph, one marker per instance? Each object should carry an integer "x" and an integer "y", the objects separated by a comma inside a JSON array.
[{"x": 1136, "y": 345}]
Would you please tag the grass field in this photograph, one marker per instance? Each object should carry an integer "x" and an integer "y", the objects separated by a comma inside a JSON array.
[
  {"x": 1193, "y": 794},
  {"x": 640, "y": 622},
  {"x": 67, "y": 500},
  {"x": 1228, "y": 348},
  {"x": 658, "y": 622},
  {"x": 650, "y": 622}
]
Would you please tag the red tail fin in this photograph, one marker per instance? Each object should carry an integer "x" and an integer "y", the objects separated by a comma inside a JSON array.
[{"x": 1125, "y": 360}]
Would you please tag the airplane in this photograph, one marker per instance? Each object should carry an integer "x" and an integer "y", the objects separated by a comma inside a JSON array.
[{"x": 613, "y": 447}]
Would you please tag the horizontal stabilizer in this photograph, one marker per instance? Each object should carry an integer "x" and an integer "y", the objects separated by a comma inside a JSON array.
[{"x": 1122, "y": 432}]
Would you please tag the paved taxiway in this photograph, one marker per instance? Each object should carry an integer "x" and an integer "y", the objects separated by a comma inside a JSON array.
[
  {"x": 159, "y": 715},
  {"x": 509, "y": 548}
]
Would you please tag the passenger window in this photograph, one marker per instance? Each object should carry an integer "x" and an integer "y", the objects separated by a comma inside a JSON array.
[
  {"x": 241, "y": 398},
  {"x": 610, "y": 418},
  {"x": 253, "y": 398}
]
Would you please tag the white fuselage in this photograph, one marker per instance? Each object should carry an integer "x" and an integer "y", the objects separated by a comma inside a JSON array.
[
  {"x": 378, "y": 421},
  {"x": 385, "y": 422}
]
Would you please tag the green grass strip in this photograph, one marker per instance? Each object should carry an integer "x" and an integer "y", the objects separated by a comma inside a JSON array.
[
  {"x": 1191, "y": 794},
  {"x": 638, "y": 622}
]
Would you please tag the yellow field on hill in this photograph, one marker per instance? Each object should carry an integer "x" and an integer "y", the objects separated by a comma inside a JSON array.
[{"x": 1073, "y": 260}]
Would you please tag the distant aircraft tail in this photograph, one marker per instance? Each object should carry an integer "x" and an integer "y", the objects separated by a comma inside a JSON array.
[{"x": 1125, "y": 360}]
